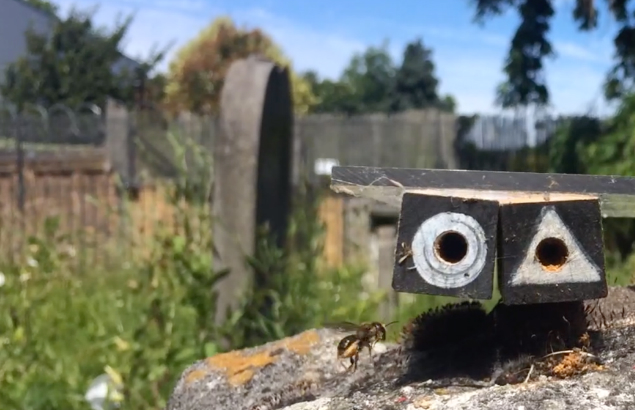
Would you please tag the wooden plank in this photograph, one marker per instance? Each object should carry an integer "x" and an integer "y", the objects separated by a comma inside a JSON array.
[
  {"x": 551, "y": 252},
  {"x": 446, "y": 246},
  {"x": 252, "y": 157},
  {"x": 331, "y": 212},
  {"x": 386, "y": 236},
  {"x": 387, "y": 185}
]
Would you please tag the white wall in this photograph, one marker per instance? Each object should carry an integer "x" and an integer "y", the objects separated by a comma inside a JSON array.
[{"x": 16, "y": 17}]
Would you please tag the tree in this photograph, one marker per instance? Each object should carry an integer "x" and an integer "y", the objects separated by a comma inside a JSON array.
[
  {"x": 415, "y": 81},
  {"x": 44, "y": 5},
  {"x": 448, "y": 103},
  {"x": 197, "y": 73},
  {"x": 371, "y": 78},
  {"x": 366, "y": 85},
  {"x": 373, "y": 83},
  {"x": 331, "y": 96},
  {"x": 73, "y": 65},
  {"x": 525, "y": 83}
]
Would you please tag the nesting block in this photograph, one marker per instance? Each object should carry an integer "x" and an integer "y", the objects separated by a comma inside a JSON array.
[
  {"x": 446, "y": 246},
  {"x": 551, "y": 251}
]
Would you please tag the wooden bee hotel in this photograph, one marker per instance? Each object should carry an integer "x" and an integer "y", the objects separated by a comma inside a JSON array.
[{"x": 541, "y": 234}]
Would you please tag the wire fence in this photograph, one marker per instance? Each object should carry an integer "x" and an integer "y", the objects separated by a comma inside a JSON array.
[
  {"x": 103, "y": 175},
  {"x": 52, "y": 162}
]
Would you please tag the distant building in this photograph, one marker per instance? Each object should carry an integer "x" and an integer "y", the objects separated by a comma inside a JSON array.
[
  {"x": 16, "y": 17},
  {"x": 511, "y": 132}
]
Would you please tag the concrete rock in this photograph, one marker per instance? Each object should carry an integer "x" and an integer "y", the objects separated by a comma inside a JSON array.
[{"x": 302, "y": 372}]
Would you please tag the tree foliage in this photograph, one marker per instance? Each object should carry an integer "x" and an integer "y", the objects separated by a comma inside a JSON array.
[
  {"x": 525, "y": 83},
  {"x": 373, "y": 82},
  {"x": 332, "y": 96},
  {"x": 197, "y": 72},
  {"x": 416, "y": 83},
  {"x": 371, "y": 78},
  {"x": 44, "y": 5},
  {"x": 75, "y": 64},
  {"x": 612, "y": 153},
  {"x": 568, "y": 145}
]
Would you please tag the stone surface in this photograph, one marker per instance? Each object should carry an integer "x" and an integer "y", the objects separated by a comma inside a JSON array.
[
  {"x": 301, "y": 372},
  {"x": 252, "y": 169}
]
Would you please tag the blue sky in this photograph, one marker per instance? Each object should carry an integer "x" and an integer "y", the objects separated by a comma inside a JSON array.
[{"x": 322, "y": 35}]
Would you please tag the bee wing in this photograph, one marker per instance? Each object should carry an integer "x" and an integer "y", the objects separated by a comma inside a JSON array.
[{"x": 342, "y": 326}]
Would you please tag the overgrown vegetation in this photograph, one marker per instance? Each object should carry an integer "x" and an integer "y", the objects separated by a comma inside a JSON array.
[
  {"x": 197, "y": 72},
  {"x": 61, "y": 326}
]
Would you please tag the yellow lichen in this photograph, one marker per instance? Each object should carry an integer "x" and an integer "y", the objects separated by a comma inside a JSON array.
[
  {"x": 572, "y": 364},
  {"x": 241, "y": 377},
  {"x": 299, "y": 344},
  {"x": 240, "y": 368},
  {"x": 195, "y": 375}
]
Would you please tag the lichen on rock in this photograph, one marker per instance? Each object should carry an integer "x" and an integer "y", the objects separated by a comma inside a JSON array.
[{"x": 564, "y": 356}]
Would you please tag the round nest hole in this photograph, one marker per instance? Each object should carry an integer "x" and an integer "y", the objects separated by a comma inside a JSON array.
[
  {"x": 450, "y": 247},
  {"x": 552, "y": 253}
]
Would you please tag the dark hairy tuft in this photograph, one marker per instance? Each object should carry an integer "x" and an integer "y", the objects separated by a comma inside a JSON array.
[{"x": 458, "y": 341}]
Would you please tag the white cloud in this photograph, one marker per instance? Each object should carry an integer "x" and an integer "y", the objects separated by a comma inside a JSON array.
[
  {"x": 164, "y": 23},
  {"x": 310, "y": 49},
  {"x": 486, "y": 38},
  {"x": 469, "y": 60},
  {"x": 472, "y": 76},
  {"x": 576, "y": 51}
]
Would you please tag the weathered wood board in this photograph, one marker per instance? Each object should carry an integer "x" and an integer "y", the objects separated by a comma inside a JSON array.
[
  {"x": 446, "y": 246},
  {"x": 616, "y": 194},
  {"x": 551, "y": 252},
  {"x": 252, "y": 170}
]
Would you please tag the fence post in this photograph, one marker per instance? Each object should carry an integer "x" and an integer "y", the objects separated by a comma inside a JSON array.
[
  {"x": 117, "y": 120},
  {"x": 120, "y": 144},
  {"x": 252, "y": 169},
  {"x": 19, "y": 142},
  {"x": 131, "y": 145}
]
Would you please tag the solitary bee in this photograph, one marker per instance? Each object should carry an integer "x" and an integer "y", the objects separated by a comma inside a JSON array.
[
  {"x": 366, "y": 335},
  {"x": 406, "y": 252},
  {"x": 349, "y": 347}
]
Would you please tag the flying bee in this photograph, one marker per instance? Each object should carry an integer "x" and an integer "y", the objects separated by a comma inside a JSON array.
[{"x": 367, "y": 334}]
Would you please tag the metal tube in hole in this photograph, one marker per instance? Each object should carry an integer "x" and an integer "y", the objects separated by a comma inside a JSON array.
[
  {"x": 450, "y": 246},
  {"x": 432, "y": 250},
  {"x": 552, "y": 253}
]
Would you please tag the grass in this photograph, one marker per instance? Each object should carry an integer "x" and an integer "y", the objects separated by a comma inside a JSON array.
[{"x": 141, "y": 312}]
